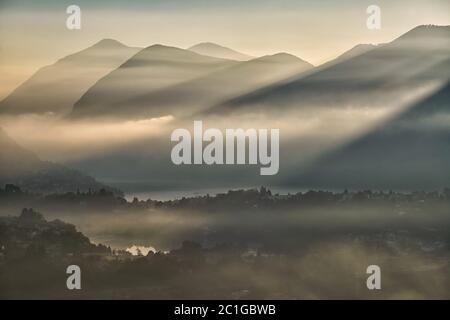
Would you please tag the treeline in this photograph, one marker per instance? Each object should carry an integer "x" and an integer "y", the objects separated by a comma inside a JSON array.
[{"x": 240, "y": 199}]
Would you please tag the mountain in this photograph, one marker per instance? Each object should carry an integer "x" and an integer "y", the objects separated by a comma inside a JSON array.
[
  {"x": 355, "y": 51},
  {"x": 381, "y": 77},
  {"x": 215, "y": 50},
  {"x": 24, "y": 169},
  {"x": 410, "y": 152},
  {"x": 193, "y": 96},
  {"x": 57, "y": 87},
  {"x": 151, "y": 69}
]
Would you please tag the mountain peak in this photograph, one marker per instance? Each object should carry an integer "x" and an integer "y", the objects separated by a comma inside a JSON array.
[
  {"x": 208, "y": 45},
  {"x": 218, "y": 51},
  {"x": 282, "y": 57},
  {"x": 158, "y": 46},
  {"x": 429, "y": 32},
  {"x": 205, "y": 44},
  {"x": 165, "y": 52},
  {"x": 105, "y": 45},
  {"x": 430, "y": 28},
  {"x": 168, "y": 53},
  {"x": 108, "y": 43}
]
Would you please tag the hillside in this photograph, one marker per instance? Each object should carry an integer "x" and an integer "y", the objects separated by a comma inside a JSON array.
[
  {"x": 379, "y": 77},
  {"x": 23, "y": 168},
  {"x": 411, "y": 151},
  {"x": 149, "y": 70},
  {"x": 215, "y": 50},
  {"x": 55, "y": 88},
  {"x": 193, "y": 96}
]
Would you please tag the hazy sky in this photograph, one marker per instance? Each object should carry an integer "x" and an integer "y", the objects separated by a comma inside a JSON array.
[{"x": 33, "y": 33}]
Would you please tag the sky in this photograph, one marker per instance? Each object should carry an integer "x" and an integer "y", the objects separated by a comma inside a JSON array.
[{"x": 34, "y": 34}]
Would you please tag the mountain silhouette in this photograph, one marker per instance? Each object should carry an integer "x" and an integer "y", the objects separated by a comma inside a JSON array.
[
  {"x": 55, "y": 88},
  {"x": 378, "y": 77},
  {"x": 357, "y": 50},
  {"x": 192, "y": 96},
  {"x": 411, "y": 151},
  {"x": 24, "y": 169},
  {"x": 215, "y": 50},
  {"x": 371, "y": 79},
  {"x": 151, "y": 69}
]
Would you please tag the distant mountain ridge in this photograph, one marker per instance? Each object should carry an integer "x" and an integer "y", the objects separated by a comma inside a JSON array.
[
  {"x": 369, "y": 80},
  {"x": 215, "y": 50},
  {"x": 161, "y": 80},
  {"x": 192, "y": 96},
  {"x": 377, "y": 75},
  {"x": 151, "y": 69}
]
